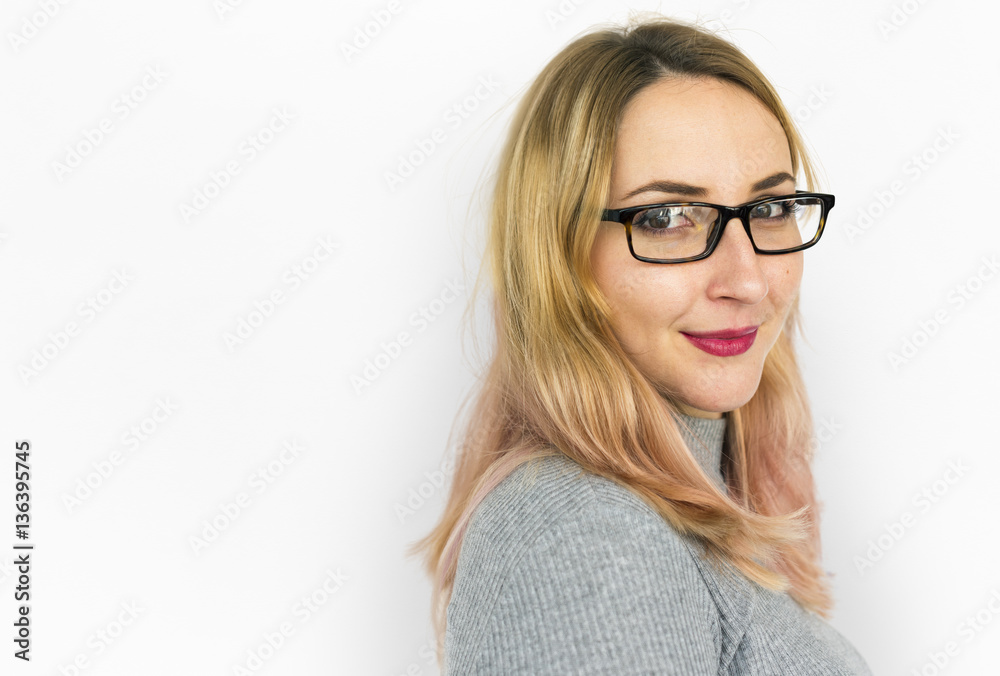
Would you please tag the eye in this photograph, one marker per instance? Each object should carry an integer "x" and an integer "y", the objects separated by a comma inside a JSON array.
[
  {"x": 662, "y": 218},
  {"x": 773, "y": 210}
]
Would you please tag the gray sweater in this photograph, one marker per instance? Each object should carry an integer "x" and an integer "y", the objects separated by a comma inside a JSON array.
[{"x": 565, "y": 572}]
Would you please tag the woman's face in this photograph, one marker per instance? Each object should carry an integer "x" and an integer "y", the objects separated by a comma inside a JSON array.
[{"x": 717, "y": 141}]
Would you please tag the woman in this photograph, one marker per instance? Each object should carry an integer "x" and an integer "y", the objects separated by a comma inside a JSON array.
[{"x": 634, "y": 494}]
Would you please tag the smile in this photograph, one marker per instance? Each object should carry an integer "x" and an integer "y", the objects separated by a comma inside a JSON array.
[{"x": 724, "y": 343}]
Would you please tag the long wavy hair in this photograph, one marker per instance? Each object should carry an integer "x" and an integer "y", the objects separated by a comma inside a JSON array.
[{"x": 560, "y": 382}]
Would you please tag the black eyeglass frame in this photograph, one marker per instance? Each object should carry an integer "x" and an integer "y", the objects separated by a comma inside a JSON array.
[{"x": 726, "y": 214}]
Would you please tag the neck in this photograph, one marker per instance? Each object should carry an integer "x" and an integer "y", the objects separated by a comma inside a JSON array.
[
  {"x": 705, "y": 437},
  {"x": 695, "y": 412}
]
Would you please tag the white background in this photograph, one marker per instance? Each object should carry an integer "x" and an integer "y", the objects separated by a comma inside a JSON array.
[{"x": 212, "y": 414}]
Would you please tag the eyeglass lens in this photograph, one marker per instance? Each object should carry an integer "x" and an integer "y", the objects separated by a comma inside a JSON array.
[{"x": 673, "y": 232}]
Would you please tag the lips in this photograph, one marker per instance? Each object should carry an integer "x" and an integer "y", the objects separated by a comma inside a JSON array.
[
  {"x": 726, "y": 343},
  {"x": 722, "y": 335}
]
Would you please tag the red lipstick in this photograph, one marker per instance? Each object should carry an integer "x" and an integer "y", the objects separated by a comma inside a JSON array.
[{"x": 723, "y": 343}]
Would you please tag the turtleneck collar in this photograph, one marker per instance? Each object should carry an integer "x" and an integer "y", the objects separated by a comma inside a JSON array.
[{"x": 704, "y": 436}]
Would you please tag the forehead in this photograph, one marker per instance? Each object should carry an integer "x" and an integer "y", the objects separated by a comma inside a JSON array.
[{"x": 699, "y": 131}]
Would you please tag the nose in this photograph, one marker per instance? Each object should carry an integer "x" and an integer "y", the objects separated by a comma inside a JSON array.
[{"x": 737, "y": 270}]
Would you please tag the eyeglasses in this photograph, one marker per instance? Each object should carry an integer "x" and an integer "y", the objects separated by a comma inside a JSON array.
[{"x": 680, "y": 232}]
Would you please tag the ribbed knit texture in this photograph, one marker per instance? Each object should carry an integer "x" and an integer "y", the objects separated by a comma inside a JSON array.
[{"x": 565, "y": 572}]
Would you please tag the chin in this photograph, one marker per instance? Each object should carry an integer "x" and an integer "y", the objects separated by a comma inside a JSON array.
[
  {"x": 722, "y": 397},
  {"x": 717, "y": 406}
]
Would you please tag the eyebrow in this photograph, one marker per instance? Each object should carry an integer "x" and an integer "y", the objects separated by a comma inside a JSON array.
[{"x": 696, "y": 191}]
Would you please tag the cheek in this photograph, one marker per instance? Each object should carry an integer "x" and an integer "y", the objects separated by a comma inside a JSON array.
[
  {"x": 609, "y": 266},
  {"x": 784, "y": 277},
  {"x": 645, "y": 299}
]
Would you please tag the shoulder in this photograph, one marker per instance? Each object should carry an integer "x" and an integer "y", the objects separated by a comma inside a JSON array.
[
  {"x": 584, "y": 568},
  {"x": 552, "y": 496}
]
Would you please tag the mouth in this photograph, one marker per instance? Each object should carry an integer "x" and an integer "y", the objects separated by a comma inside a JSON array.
[{"x": 728, "y": 343}]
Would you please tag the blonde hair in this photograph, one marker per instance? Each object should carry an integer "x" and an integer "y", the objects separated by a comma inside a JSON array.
[{"x": 559, "y": 381}]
